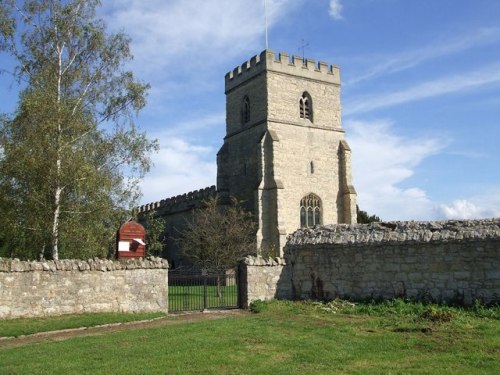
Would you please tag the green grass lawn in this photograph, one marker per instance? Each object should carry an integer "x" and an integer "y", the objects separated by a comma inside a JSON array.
[{"x": 285, "y": 338}]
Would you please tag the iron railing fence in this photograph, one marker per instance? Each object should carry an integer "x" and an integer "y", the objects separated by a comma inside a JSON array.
[{"x": 191, "y": 291}]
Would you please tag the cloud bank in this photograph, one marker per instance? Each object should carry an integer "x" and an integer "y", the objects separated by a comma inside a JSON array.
[{"x": 382, "y": 161}]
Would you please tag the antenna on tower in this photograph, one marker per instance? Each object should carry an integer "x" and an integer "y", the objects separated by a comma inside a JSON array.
[{"x": 265, "y": 18}]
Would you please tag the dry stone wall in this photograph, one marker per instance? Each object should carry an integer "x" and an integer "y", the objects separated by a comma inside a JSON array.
[
  {"x": 450, "y": 261},
  {"x": 29, "y": 289},
  {"x": 263, "y": 279},
  {"x": 453, "y": 261}
]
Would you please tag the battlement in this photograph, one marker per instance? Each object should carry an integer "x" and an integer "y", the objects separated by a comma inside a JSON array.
[
  {"x": 180, "y": 201},
  {"x": 282, "y": 63}
]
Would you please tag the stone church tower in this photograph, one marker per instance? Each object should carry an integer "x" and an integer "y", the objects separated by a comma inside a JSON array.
[{"x": 284, "y": 152}]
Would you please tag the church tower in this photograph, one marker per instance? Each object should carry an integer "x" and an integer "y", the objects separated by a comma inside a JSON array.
[{"x": 284, "y": 153}]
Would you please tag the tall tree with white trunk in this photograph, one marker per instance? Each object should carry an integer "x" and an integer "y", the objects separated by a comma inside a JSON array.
[{"x": 71, "y": 155}]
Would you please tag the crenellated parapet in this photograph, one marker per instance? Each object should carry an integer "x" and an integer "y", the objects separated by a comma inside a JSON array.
[
  {"x": 179, "y": 202},
  {"x": 285, "y": 64}
]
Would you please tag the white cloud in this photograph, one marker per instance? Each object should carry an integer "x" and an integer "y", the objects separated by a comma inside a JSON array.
[
  {"x": 462, "y": 209},
  {"x": 180, "y": 167},
  {"x": 461, "y": 82},
  {"x": 482, "y": 206},
  {"x": 335, "y": 9},
  {"x": 384, "y": 65},
  {"x": 181, "y": 35},
  {"x": 382, "y": 161},
  {"x": 193, "y": 126}
]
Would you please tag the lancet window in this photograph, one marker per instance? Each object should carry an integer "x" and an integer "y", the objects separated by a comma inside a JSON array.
[
  {"x": 305, "y": 106},
  {"x": 310, "y": 211},
  {"x": 245, "y": 111}
]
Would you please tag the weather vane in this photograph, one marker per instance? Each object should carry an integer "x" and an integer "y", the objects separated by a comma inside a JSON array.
[{"x": 303, "y": 48}]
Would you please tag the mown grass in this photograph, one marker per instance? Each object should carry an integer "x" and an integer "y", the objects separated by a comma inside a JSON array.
[
  {"x": 18, "y": 327},
  {"x": 286, "y": 338}
]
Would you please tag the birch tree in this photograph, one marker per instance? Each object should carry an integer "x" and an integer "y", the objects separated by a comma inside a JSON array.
[{"x": 71, "y": 155}]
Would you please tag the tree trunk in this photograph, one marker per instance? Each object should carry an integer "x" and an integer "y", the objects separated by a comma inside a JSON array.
[
  {"x": 58, "y": 189},
  {"x": 55, "y": 224},
  {"x": 219, "y": 286}
]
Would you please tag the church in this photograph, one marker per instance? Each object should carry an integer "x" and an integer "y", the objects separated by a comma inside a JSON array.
[{"x": 284, "y": 154}]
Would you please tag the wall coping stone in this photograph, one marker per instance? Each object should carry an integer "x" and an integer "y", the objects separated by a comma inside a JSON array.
[
  {"x": 95, "y": 264},
  {"x": 260, "y": 261},
  {"x": 397, "y": 232}
]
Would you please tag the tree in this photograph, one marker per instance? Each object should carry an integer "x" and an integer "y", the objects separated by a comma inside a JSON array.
[
  {"x": 218, "y": 236},
  {"x": 6, "y": 25},
  {"x": 364, "y": 218},
  {"x": 155, "y": 228},
  {"x": 71, "y": 156}
]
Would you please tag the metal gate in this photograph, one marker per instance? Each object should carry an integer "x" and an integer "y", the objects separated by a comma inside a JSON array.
[{"x": 198, "y": 291}]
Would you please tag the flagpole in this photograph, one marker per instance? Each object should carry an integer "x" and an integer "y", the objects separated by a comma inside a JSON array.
[{"x": 265, "y": 17}]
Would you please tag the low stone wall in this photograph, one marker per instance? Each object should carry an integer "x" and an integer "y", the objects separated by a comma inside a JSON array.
[
  {"x": 263, "y": 279},
  {"x": 449, "y": 261},
  {"x": 453, "y": 261},
  {"x": 29, "y": 289}
]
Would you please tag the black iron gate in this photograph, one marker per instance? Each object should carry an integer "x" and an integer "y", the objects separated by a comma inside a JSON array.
[{"x": 191, "y": 291}]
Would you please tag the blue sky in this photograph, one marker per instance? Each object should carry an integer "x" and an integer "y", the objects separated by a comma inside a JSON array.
[{"x": 420, "y": 91}]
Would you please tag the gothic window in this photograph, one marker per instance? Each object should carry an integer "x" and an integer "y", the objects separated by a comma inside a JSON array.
[
  {"x": 305, "y": 106},
  {"x": 303, "y": 221},
  {"x": 311, "y": 166},
  {"x": 245, "y": 110},
  {"x": 310, "y": 211}
]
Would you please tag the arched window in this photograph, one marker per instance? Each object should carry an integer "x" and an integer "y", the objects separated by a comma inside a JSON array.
[
  {"x": 310, "y": 211},
  {"x": 305, "y": 106},
  {"x": 245, "y": 110}
]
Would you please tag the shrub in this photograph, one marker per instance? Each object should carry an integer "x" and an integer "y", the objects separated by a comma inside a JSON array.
[
  {"x": 258, "y": 306},
  {"x": 437, "y": 314}
]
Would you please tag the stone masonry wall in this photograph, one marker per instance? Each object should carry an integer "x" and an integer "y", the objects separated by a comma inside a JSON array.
[
  {"x": 263, "y": 279},
  {"x": 29, "y": 289},
  {"x": 453, "y": 261},
  {"x": 449, "y": 261}
]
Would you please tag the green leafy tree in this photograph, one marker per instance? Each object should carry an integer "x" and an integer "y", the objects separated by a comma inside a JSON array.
[
  {"x": 7, "y": 25},
  {"x": 218, "y": 236},
  {"x": 155, "y": 228},
  {"x": 71, "y": 156},
  {"x": 364, "y": 218}
]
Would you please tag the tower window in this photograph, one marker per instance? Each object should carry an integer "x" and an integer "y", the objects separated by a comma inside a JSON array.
[
  {"x": 245, "y": 111},
  {"x": 310, "y": 211},
  {"x": 311, "y": 166},
  {"x": 305, "y": 106}
]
